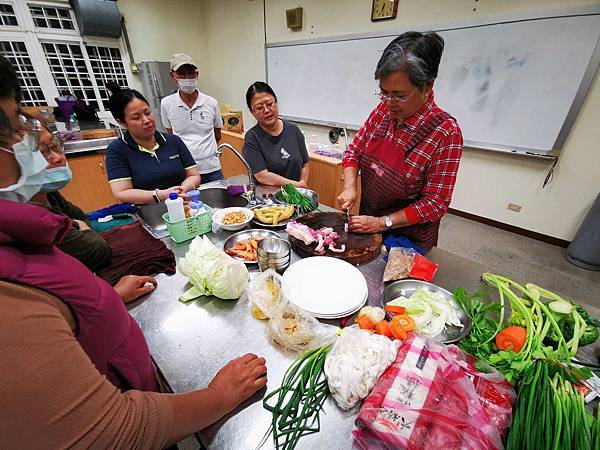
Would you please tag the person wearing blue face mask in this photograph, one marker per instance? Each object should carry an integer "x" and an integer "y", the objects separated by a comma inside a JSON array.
[
  {"x": 32, "y": 165},
  {"x": 81, "y": 241}
]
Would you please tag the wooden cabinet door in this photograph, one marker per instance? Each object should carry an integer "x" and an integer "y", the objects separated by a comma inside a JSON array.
[
  {"x": 231, "y": 164},
  {"x": 89, "y": 188},
  {"x": 325, "y": 180}
]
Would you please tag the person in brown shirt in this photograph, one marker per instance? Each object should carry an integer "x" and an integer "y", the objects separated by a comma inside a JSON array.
[{"x": 53, "y": 396}]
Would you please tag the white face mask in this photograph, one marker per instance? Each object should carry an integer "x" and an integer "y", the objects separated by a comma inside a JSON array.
[
  {"x": 187, "y": 85},
  {"x": 32, "y": 165}
]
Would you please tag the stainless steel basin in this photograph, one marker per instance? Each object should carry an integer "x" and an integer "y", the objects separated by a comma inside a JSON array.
[{"x": 215, "y": 197}]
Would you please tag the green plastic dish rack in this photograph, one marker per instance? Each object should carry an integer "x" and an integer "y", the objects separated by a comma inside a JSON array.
[{"x": 187, "y": 229}]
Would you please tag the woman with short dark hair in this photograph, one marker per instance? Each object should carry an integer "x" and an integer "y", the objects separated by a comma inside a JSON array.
[
  {"x": 145, "y": 166},
  {"x": 274, "y": 148},
  {"x": 408, "y": 150}
]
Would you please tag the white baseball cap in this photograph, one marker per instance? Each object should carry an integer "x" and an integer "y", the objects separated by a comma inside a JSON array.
[{"x": 181, "y": 59}]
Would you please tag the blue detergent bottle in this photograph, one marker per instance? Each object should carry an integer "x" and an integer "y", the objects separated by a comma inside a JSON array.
[{"x": 195, "y": 205}]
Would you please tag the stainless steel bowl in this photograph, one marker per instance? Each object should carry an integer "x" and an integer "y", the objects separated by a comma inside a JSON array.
[
  {"x": 246, "y": 235},
  {"x": 274, "y": 253},
  {"x": 274, "y": 247},
  {"x": 312, "y": 195},
  {"x": 406, "y": 288}
]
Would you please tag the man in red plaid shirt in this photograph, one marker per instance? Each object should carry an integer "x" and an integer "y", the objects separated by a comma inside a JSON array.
[{"x": 408, "y": 150}]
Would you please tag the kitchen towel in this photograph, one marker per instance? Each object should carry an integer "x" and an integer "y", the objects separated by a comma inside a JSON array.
[{"x": 135, "y": 252}]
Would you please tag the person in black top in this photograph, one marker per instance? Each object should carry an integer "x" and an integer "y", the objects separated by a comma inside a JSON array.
[
  {"x": 145, "y": 166},
  {"x": 274, "y": 148}
]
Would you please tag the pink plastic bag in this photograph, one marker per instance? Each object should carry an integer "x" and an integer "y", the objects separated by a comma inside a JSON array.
[{"x": 432, "y": 397}]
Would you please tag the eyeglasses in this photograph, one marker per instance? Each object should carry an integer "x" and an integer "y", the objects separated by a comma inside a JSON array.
[
  {"x": 394, "y": 98},
  {"x": 261, "y": 106},
  {"x": 31, "y": 127},
  {"x": 57, "y": 147}
]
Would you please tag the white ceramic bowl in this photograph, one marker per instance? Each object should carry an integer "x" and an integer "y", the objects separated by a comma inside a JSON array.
[{"x": 218, "y": 216}]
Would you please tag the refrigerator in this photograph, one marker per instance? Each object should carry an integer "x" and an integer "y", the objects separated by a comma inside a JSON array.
[{"x": 157, "y": 84}]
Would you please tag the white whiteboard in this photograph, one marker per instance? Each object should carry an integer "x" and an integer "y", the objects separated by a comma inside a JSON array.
[{"x": 513, "y": 86}]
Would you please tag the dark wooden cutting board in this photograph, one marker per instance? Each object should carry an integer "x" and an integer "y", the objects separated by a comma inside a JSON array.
[{"x": 360, "y": 248}]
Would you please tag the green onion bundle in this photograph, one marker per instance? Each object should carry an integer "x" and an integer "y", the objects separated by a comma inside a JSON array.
[
  {"x": 299, "y": 400},
  {"x": 550, "y": 412},
  {"x": 596, "y": 430},
  {"x": 292, "y": 196}
]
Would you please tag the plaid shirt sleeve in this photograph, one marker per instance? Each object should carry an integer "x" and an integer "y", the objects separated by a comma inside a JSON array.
[
  {"x": 437, "y": 192},
  {"x": 362, "y": 138}
]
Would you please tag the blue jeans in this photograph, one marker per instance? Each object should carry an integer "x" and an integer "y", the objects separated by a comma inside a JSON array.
[{"x": 211, "y": 176}]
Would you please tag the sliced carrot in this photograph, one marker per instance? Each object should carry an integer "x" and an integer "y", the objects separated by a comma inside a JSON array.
[
  {"x": 405, "y": 321},
  {"x": 383, "y": 328},
  {"x": 395, "y": 309},
  {"x": 512, "y": 338},
  {"x": 397, "y": 331},
  {"x": 365, "y": 322}
]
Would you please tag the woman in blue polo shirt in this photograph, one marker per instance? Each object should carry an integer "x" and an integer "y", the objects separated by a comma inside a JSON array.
[{"x": 145, "y": 166}]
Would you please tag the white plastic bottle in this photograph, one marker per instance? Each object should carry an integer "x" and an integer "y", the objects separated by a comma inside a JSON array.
[{"x": 175, "y": 207}]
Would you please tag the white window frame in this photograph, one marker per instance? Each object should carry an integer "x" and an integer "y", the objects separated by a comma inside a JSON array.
[
  {"x": 16, "y": 9},
  {"x": 33, "y": 37},
  {"x": 36, "y": 29},
  {"x": 36, "y": 54}
]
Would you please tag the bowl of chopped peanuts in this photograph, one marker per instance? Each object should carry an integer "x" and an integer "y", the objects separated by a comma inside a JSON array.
[{"x": 233, "y": 218}]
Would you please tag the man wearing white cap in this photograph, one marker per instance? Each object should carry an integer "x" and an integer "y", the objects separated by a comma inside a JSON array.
[{"x": 194, "y": 117}]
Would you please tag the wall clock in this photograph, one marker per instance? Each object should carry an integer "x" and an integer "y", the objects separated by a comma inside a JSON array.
[{"x": 384, "y": 10}]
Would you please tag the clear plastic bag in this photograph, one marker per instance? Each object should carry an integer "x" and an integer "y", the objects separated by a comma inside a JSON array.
[
  {"x": 264, "y": 293},
  {"x": 400, "y": 260},
  {"x": 407, "y": 263},
  {"x": 297, "y": 330},
  {"x": 432, "y": 397},
  {"x": 355, "y": 363}
]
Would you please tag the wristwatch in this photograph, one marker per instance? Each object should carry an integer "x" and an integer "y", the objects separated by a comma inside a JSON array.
[
  {"x": 388, "y": 222},
  {"x": 155, "y": 196}
]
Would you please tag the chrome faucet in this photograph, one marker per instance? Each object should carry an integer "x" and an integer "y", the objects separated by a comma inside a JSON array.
[{"x": 252, "y": 184}]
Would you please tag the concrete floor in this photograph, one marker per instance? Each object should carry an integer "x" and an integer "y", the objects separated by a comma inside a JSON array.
[{"x": 521, "y": 259}]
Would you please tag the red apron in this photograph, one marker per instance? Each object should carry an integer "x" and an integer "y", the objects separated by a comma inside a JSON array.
[{"x": 386, "y": 187}]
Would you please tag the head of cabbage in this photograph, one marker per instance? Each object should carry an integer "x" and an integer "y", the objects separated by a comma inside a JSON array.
[{"x": 212, "y": 272}]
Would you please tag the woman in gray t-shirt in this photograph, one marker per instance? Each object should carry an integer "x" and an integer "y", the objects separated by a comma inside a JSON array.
[{"x": 274, "y": 148}]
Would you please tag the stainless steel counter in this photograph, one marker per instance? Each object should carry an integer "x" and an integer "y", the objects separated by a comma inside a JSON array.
[
  {"x": 191, "y": 342},
  {"x": 88, "y": 145}
]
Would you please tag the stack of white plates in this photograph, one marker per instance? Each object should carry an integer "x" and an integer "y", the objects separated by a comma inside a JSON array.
[{"x": 328, "y": 288}]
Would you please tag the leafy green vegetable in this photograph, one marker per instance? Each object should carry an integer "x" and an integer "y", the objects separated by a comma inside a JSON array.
[
  {"x": 484, "y": 328},
  {"x": 553, "y": 333},
  {"x": 212, "y": 272},
  {"x": 431, "y": 311},
  {"x": 528, "y": 311},
  {"x": 292, "y": 196},
  {"x": 577, "y": 324}
]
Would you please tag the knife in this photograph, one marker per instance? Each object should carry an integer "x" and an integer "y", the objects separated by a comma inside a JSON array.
[{"x": 347, "y": 220}]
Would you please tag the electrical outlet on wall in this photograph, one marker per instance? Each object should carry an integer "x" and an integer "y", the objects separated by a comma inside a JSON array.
[{"x": 514, "y": 207}]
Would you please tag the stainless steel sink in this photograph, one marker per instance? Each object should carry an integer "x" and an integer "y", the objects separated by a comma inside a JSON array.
[
  {"x": 88, "y": 145},
  {"x": 216, "y": 197}
]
